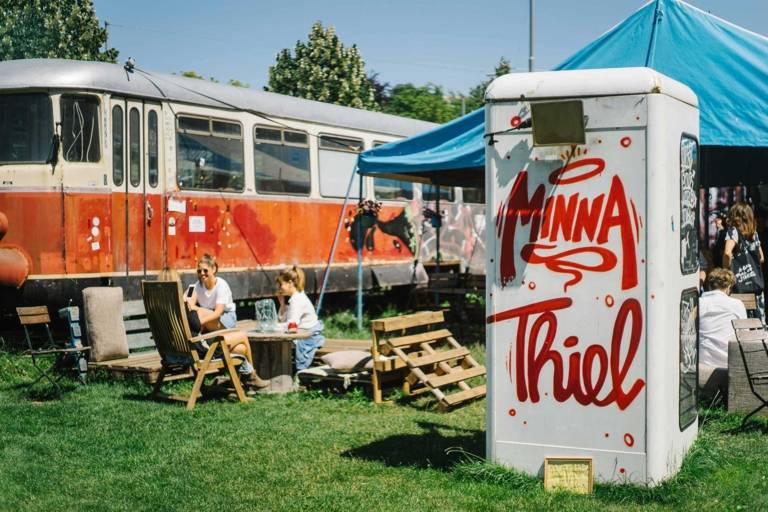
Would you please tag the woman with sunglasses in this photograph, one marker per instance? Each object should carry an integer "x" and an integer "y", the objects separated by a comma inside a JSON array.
[{"x": 212, "y": 300}]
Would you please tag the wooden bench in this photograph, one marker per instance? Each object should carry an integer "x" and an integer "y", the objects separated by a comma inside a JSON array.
[{"x": 143, "y": 359}]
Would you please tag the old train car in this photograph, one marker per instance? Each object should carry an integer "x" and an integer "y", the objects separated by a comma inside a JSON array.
[{"x": 109, "y": 173}]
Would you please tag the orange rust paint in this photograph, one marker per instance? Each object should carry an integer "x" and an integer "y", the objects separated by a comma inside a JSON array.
[{"x": 111, "y": 233}]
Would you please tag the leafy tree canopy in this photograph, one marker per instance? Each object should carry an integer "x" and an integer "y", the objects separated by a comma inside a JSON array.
[
  {"x": 476, "y": 97},
  {"x": 323, "y": 69},
  {"x": 65, "y": 29},
  {"x": 427, "y": 103}
]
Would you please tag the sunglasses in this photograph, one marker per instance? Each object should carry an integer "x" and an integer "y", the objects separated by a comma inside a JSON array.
[{"x": 203, "y": 271}]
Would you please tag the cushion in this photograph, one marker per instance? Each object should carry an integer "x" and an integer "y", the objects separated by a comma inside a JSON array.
[
  {"x": 348, "y": 360},
  {"x": 103, "y": 311}
]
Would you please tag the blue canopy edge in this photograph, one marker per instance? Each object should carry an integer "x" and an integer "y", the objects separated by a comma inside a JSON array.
[{"x": 725, "y": 65}]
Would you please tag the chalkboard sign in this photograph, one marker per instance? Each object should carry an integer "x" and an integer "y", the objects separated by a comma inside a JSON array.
[
  {"x": 689, "y": 205},
  {"x": 689, "y": 339}
]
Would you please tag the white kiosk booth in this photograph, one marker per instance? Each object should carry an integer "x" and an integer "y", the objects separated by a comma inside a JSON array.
[{"x": 592, "y": 271}]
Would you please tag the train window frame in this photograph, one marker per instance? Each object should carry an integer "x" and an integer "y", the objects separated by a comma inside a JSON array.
[
  {"x": 118, "y": 180},
  {"x": 376, "y": 179},
  {"x": 134, "y": 159},
  {"x": 464, "y": 199},
  {"x": 450, "y": 199},
  {"x": 210, "y": 133},
  {"x": 338, "y": 147},
  {"x": 153, "y": 178},
  {"x": 48, "y": 135},
  {"x": 96, "y": 125},
  {"x": 281, "y": 142}
]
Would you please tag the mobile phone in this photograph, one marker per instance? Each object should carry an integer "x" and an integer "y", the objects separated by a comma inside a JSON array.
[{"x": 190, "y": 290}]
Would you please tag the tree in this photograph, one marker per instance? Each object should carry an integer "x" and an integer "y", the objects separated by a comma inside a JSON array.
[
  {"x": 323, "y": 69},
  {"x": 476, "y": 97},
  {"x": 64, "y": 29},
  {"x": 427, "y": 103},
  {"x": 381, "y": 90}
]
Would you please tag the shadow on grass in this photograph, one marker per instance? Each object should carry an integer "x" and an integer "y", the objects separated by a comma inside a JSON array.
[{"x": 429, "y": 449}]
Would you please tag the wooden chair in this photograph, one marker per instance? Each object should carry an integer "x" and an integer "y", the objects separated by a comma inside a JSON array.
[
  {"x": 749, "y": 300},
  {"x": 749, "y": 331},
  {"x": 178, "y": 348},
  {"x": 437, "y": 362},
  {"x": 38, "y": 316}
]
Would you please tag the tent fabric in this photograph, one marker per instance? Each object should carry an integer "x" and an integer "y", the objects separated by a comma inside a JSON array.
[
  {"x": 456, "y": 149},
  {"x": 724, "y": 64}
]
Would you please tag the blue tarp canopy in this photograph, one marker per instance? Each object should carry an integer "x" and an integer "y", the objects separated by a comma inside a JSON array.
[{"x": 725, "y": 65}]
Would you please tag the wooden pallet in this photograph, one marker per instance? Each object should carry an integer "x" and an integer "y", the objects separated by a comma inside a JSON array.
[{"x": 438, "y": 363}]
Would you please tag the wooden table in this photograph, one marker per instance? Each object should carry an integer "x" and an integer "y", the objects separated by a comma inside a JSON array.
[{"x": 273, "y": 357}]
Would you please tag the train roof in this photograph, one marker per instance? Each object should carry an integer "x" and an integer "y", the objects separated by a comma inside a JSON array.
[{"x": 102, "y": 76}]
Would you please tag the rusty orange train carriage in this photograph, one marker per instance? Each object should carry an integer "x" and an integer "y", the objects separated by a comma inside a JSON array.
[{"x": 109, "y": 173}]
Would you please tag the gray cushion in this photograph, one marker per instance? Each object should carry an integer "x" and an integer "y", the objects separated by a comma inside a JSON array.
[
  {"x": 348, "y": 360},
  {"x": 103, "y": 311}
]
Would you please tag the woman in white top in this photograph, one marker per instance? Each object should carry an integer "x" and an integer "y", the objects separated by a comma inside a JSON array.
[
  {"x": 212, "y": 300},
  {"x": 716, "y": 311},
  {"x": 297, "y": 312}
]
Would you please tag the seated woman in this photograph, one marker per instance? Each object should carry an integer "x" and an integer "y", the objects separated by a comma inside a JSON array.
[
  {"x": 211, "y": 299},
  {"x": 716, "y": 310},
  {"x": 299, "y": 312}
]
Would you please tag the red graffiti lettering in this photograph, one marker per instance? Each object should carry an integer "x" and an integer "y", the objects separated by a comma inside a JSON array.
[
  {"x": 598, "y": 166},
  {"x": 587, "y": 372},
  {"x": 569, "y": 218}
]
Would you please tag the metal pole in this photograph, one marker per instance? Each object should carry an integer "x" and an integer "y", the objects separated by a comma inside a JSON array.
[
  {"x": 530, "y": 31},
  {"x": 360, "y": 263},
  {"x": 437, "y": 243},
  {"x": 335, "y": 241}
]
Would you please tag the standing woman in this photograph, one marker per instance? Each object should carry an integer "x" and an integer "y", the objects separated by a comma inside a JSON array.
[
  {"x": 743, "y": 254},
  {"x": 212, "y": 300}
]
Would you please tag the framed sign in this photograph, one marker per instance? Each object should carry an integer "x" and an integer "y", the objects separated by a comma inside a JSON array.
[{"x": 573, "y": 474}]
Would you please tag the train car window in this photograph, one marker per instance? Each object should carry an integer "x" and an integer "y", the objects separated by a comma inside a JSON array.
[
  {"x": 209, "y": 154},
  {"x": 281, "y": 161},
  {"x": 338, "y": 158},
  {"x": 26, "y": 128},
  {"x": 430, "y": 193},
  {"x": 262, "y": 133},
  {"x": 80, "y": 128},
  {"x": 226, "y": 129},
  {"x": 475, "y": 195},
  {"x": 134, "y": 147},
  {"x": 194, "y": 124},
  {"x": 340, "y": 144},
  {"x": 392, "y": 190},
  {"x": 118, "y": 160},
  {"x": 295, "y": 137},
  {"x": 152, "y": 149}
]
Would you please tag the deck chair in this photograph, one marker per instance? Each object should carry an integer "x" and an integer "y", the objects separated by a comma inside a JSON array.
[
  {"x": 752, "y": 330},
  {"x": 176, "y": 345},
  {"x": 65, "y": 356}
]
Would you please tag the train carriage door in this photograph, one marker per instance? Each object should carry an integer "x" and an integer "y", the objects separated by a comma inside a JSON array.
[
  {"x": 135, "y": 236},
  {"x": 119, "y": 150},
  {"x": 153, "y": 185}
]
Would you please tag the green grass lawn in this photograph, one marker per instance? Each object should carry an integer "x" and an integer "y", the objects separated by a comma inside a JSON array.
[{"x": 104, "y": 446}]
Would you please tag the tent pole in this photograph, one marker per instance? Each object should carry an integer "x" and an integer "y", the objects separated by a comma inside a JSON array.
[
  {"x": 360, "y": 264},
  {"x": 327, "y": 272},
  {"x": 437, "y": 242}
]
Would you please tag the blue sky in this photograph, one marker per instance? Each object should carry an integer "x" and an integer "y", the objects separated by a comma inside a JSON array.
[{"x": 451, "y": 43}]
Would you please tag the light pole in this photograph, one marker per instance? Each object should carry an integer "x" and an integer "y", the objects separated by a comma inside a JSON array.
[{"x": 530, "y": 31}]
